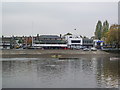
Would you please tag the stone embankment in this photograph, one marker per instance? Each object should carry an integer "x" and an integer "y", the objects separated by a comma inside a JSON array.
[{"x": 51, "y": 53}]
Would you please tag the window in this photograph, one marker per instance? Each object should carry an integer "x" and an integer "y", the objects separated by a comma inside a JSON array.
[{"x": 75, "y": 41}]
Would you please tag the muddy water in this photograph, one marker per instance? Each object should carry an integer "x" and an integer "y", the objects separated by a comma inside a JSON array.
[{"x": 83, "y": 72}]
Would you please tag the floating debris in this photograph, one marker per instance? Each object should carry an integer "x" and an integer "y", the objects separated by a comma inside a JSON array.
[
  {"x": 114, "y": 58},
  {"x": 56, "y": 56}
]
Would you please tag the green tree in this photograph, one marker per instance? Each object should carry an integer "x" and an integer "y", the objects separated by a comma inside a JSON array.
[
  {"x": 105, "y": 29},
  {"x": 98, "y": 30},
  {"x": 113, "y": 35},
  {"x": 20, "y": 41}
]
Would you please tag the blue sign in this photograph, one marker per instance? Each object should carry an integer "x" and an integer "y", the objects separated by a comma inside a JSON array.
[{"x": 100, "y": 41}]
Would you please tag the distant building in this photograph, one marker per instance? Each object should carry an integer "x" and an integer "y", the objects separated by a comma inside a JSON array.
[
  {"x": 98, "y": 43},
  {"x": 27, "y": 41},
  {"x": 1, "y": 44},
  {"x": 49, "y": 42},
  {"x": 15, "y": 42},
  {"x": 87, "y": 42},
  {"x": 77, "y": 42},
  {"x": 73, "y": 41},
  {"x": 6, "y": 43}
]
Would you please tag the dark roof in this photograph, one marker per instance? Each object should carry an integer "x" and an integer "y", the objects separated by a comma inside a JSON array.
[
  {"x": 6, "y": 38},
  {"x": 86, "y": 39},
  {"x": 49, "y": 36}
]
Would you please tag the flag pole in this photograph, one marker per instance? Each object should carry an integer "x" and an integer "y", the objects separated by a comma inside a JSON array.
[{"x": 32, "y": 33}]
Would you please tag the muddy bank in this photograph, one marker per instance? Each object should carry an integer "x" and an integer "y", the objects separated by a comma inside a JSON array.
[{"x": 53, "y": 53}]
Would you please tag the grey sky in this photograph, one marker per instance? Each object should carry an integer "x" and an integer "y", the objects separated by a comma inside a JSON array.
[{"x": 56, "y": 18}]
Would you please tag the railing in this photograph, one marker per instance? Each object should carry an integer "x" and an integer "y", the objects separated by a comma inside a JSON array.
[{"x": 51, "y": 45}]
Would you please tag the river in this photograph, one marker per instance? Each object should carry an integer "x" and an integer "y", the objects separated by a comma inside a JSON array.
[{"x": 83, "y": 72}]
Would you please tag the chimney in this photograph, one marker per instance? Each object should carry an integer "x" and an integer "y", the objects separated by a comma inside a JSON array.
[
  {"x": 60, "y": 35},
  {"x": 37, "y": 35}
]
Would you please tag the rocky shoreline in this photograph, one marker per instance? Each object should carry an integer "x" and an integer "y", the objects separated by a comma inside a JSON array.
[{"x": 52, "y": 53}]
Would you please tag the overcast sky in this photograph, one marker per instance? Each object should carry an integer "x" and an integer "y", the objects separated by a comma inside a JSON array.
[{"x": 31, "y": 18}]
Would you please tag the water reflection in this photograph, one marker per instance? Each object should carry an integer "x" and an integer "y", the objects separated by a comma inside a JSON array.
[
  {"x": 91, "y": 72},
  {"x": 0, "y": 75},
  {"x": 107, "y": 72}
]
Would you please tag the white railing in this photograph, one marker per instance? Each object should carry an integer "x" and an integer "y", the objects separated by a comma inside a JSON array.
[{"x": 50, "y": 45}]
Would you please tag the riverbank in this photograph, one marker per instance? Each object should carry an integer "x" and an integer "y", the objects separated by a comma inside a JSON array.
[{"x": 52, "y": 53}]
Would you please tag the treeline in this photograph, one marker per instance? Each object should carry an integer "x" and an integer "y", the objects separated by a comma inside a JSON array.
[{"x": 109, "y": 34}]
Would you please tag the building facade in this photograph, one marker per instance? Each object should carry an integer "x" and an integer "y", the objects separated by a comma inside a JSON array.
[
  {"x": 77, "y": 42},
  {"x": 6, "y": 43},
  {"x": 49, "y": 42},
  {"x": 98, "y": 44}
]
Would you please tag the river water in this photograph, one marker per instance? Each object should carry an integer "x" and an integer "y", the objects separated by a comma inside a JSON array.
[{"x": 85, "y": 72}]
